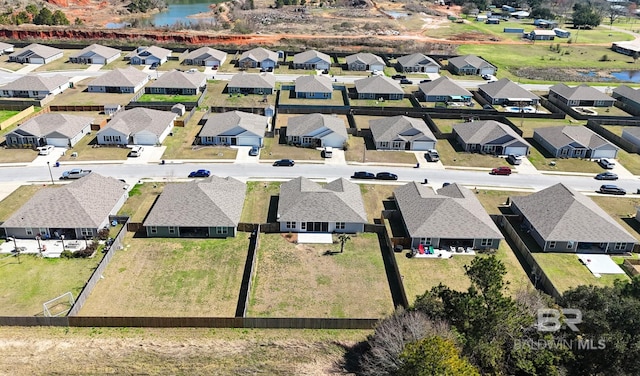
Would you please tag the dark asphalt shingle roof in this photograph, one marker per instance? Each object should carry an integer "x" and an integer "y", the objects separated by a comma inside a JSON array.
[
  {"x": 400, "y": 128},
  {"x": 378, "y": 85},
  {"x": 121, "y": 77},
  {"x": 443, "y": 86},
  {"x": 234, "y": 123},
  {"x": 311, "y": 123},
  {"x": 581, "y": 92},
  {"x": 505, "y": 88},
  {"x": 565, "y": 135},
  {"x": 313, "y": 84},
  {"x": 53, "y": 123},
  {"x": 487, "y": 132}
]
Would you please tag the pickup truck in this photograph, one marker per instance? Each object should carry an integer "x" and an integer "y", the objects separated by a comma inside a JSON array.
[{"x": 76, "y": 173}]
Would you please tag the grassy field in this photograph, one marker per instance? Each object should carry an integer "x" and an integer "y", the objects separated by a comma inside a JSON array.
[
  {"x": 374, "y": 197},
  {"x": 16, "y": 199},
  {"x": 258, "y": 201},
  {"x": 356, "y": 153},
  {"x": 171, "y": 277},
  {"x": 566, "y": 271},
  {"x": 141, "y": 199},
  {"x": 273, "y": 150},
  {"x": 180, "y": 145},
  {"x": 30, "y": 281},
  {"x": 168, "y": 98},
  {"x": 420, "y": 275},
  {"x": 287, "y": 97},
  {"x": 304, "y": 281},
  {"x": 10, "y": 155},
  {"x": 87, "y": 152},
  {"x": 451, "y": 157},
  {"x": 7, "y": 114}
]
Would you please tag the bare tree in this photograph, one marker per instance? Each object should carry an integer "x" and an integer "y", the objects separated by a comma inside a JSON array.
[{"x": 343, "y": 238}]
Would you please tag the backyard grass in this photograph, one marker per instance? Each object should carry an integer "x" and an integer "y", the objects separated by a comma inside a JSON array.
[
  {"x": 405, "y": 102},
  {"x": 623, "y": 210},
  {"x": 7, "y": 114},
  {"x": 16, "y": 199},
  {"x": 217, "y": 96},
  {"x": 359, "y": 152},
  {"x": 273, "y": 150},
  {"x": 180, "y": 145},
  {"x": 86, "y": 151},
  {"x": 141, "y": 199},
  {"x": 565, "y": 271},
  {"x": 446, "y": 125},
  {"x": 362, "y": 121},
  {"x": 168, "y": 98},
  {"x": 374, "y": 197},
  {"x": 492, "y": 200},
  {"x": 79, "y": 96},
  {"x": 451, "y": 157},
  {"x": 171, "y": 277},
  {"x": 258, "y": 201},
  {"x": 420, "y": 275},
  {"x": 305, "y": 280},
  {"x": 528, "y": 125},
  {"x": 11, "y": 155},
  {"x": 30, "y": 281},
  {"x": 287, "y": 97}
]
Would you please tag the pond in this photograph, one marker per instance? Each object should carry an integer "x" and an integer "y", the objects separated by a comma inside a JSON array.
[
  {"x": 178, "y": 11},
  {"x": 629, "y": 75}
]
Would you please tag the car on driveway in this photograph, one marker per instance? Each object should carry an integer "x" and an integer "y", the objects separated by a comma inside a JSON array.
[
  {"x": 405, "y": 81},
  {"x": 608, "y": 175},
  {"x": 200, "y": 174},
  {"x": 612, "y": 189},
  {"x": 432, "y": 155},
  {"x": 386, "y": 176},
  {"x": 254, "y": 151},
  {"x": 502, "y": 170},
  {"x": 45, "y": 150},
  {"x": 515, "y": 159},
  {"x": 284, "y": 162},
  {"x": 363, "y": 175},
  {"x": 606, "y": 163}
]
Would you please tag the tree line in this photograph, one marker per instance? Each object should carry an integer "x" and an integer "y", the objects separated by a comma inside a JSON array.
[{"x": 35, "y": 15}]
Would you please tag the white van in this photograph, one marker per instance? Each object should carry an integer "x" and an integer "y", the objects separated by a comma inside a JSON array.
[
  {"x": 327, "y": 152},
  {"x": 136, "y": 151}
]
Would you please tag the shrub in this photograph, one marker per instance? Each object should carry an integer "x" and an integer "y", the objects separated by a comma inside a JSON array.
[{"x": 66, "y": 254}]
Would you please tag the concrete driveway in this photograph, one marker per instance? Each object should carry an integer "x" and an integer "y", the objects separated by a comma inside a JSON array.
[
  {"x": 27, "y": 68},
  {"x": 151, "y": 154}
]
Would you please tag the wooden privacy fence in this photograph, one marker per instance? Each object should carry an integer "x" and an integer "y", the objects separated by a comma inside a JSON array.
[
  {"x": 247, "y": 276},
  {"x": 224, "y": 322}
]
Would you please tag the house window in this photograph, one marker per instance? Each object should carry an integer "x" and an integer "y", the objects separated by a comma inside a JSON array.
[
  {"x": 619, "y": 246},
  {"x": 307, "y": 140},
  {"x": 5, "y": 92},
  {"x": 384, "y": 145},
  {"x": 221, "y": 230},
  {"x": 172, "y": 230},
  {"x": 303, "y": 225},
  {"x": 425, "y": 241},
  {"x": 552, "y": 245},
  {"x": 34, "y": 93},
  {"x": 291, "y": 225},
  {"x": 397, "y": 144},
  {"x": 569, "y": 245},
  {"x": 28, "y": 231},
  {"x": 42, "y": 231},
  {"x": 86, "y": 231},
  {"x": 340, "y": 225},
  {"x": 154, "y": 229},
  {"x": 486, "y": 242}
]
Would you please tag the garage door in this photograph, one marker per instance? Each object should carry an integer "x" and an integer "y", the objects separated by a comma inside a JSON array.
[
  {"x": 516, "y": 150},
  {"x": 60, "y": 142},
  {"x": 144, "y": 139},
  {"x": 603, "y": 154},
  {"x": 486, "y": 71}
]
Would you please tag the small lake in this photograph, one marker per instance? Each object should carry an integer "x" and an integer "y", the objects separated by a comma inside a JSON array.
[
  {"x": 629, "y": 76},
  {"x": 177, "y": 11}
]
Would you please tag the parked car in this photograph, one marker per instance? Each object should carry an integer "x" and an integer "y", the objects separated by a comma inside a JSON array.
[
  {"x": 326, "y": 71},
  {"x": 608, "y": 175},
  {"x": 153, "y": 66},
  {"x": 432, "y": 155},
  {"x": 398, "y": 76},
  {"x": 386, "y": 176},
  {"x": 612, "y": 189},
  {"x": 363, "y": 175},
  {"x": 606, "y": 163},
  {"x": 136, "y": 151},
  {"x": 487, "y": 77},
  {"x": 254, "y": 151},
  {"x": 502, "y": 170},
  {"x": 45, "y": 150},
  {"x": 200, "y": 174},
  {"x": 515, "y": 159},
  {"x": 284, "y": 162},
  {"x": 269, "y": 69},
  {"x": 425, "y": 80},
  {"x": 327, "y": 152},
  {"x": 405, "y": 81}
]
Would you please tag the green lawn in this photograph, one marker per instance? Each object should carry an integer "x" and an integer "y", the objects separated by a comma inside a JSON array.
[
  {"x": 630, "y": 161},
  {"x": 181, "y": 144},
  {"x": 141, "y": 199},
  {"x": 7, "y": 114},
  {"x": 168, "y": 98},
  {"x": 258, "y": 201},
  {"x": 286, "y": 97},
  {"x": 303, "y": 280},
  {"x": 218, "y": 97},
  {"x": 16, "y": 199}
]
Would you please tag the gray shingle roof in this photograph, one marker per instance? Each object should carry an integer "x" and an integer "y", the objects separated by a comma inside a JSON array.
[
  {"x": 565, "y": 135},
  {"x": 634, "y": 131},
  {"x": 400, "y": 128},
  {"x": 303, "y": 200},
  {"x": 505, "y": 88},
  {"x": 180, "y": 80},
  {"x": 582, "y": 92},
  {"x": 5, "y": 46},
  {"x": 259, "y": 54},
  {"x": 121, "y": 77},
  {"x": 253, "y": 80},
  {"x": 155, "y": 51},
  {"x": 211, "y": 202},
  {"x": 205, "y": 53},
  {"x": 416, "y": 59},
  {"x": 378, "y": 85},
  {"x": 310, "y": 55},
  {"x": 39, "y": 83},
  {"x": 307, "y": 124},
  {"x": 473, "y": 60},
  {"x": 86, "y": 202},
  {"x": 453, "y": 212},
  {"x": 38, "y": 50},
  {"x": 443, "y": 86},
  {"x": 365, "y": 58},
  {"x": 97, "y": 50},
  {"x": 234, "y": 123},
  {"x": 559, "y": 213},
  {"x": 487, "y": 132},
  {"x": 627, "y": 92},
  {"x": 53, "y": 123},
  {"x": 141, "y": 119},
  {"x": 313, "y": 84}
]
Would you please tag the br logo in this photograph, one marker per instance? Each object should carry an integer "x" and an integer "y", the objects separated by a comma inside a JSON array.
[{"x": 551, "y": 320}]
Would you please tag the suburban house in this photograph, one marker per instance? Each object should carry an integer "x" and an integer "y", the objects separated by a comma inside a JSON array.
[
  {"x": 137, "y": 126},
  {"x": 233, "y": 128},
  {"x": 631, "y": 134},
  {"x": 311, "y": 59},
  {"x": 445, "y": 90},
  {"x": 206, "y": 56},
  {"x": 582, "y": 95},
  {"x": 33, "y": 86},
  {"x": 77, "y": 210},
  {"x": 574, "y": 142},
  {"x": 541, "y": 34},
  {"x": 178, "y": 83},
  {"x": 451, "y": 216},
  {"x": 401, "y": 133},
  {"x": 148, "y": 56},
  {"x": 95, "y": 54},
  {"x": 317, "y": 130},
  {"x": 306, "y": 206},
  {"x": 208, "y": 208},
  {"x": 417, "y": 63},
  {"x": 52, "y": 128},
  {"x": 365, "y": 61},
  {"x": 560, "y": 219},
  {"x": 379, "y": 87},
  {"x": 490, "y": 137},
  {"x": 313, "y": 87},
  {"x": 506, "y": 92},
  {"x": 628, "y": 99},
  {"x": 120, "y": 80},
  {"x": 252, "y": 83},
  {"x": 258, "y": 58},
  {"x": 5, "y": 48},
  {"x": 36, "y": 54},
  {"x": 626, "y": 47},
  {"x": 470, "y": 64}
]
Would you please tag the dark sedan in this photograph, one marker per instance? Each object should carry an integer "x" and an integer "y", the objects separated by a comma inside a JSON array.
[
  {"x": 200, "y": 174},
  {"x": 284, "y": 162},
  {"x": 386, "y": 176},
  {"x": 363, "y": 175},
  {"x": 612, "y": 190},
  {"x": 607, "y": 176}
]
